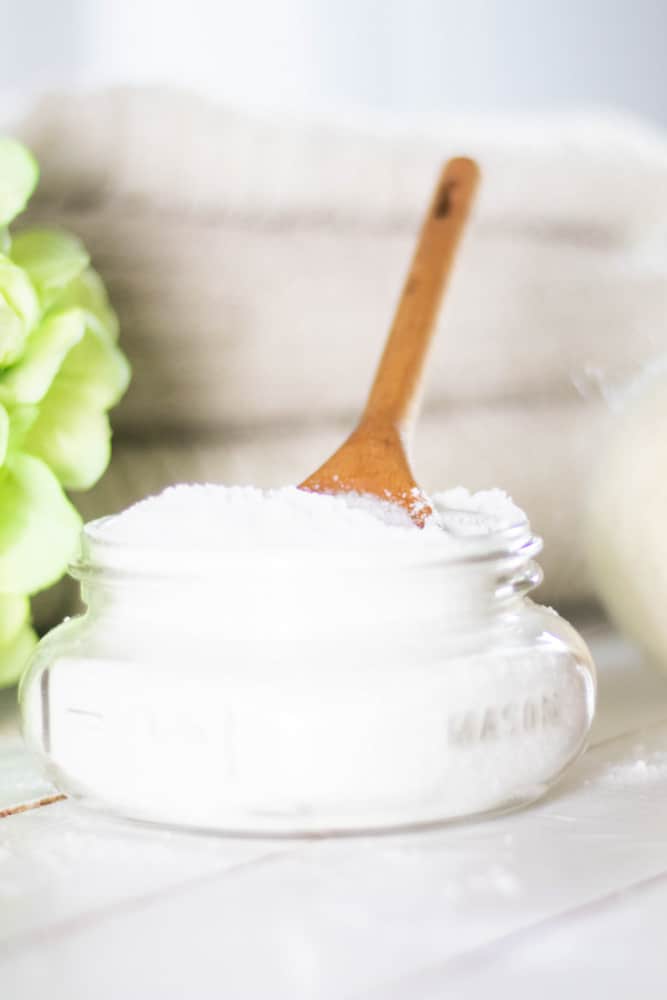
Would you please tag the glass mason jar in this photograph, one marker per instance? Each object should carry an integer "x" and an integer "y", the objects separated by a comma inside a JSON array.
[{"x": 288, "y": 692}]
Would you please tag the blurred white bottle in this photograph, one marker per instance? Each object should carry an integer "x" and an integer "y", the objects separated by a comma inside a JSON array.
[{"x": 627, "y": 516}]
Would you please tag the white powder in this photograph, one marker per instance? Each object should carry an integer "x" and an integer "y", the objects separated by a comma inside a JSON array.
[
  {"x": 207, "y": 516},
  {"x": 646, "y": 767},
  {"x": 487, "y": 511}
]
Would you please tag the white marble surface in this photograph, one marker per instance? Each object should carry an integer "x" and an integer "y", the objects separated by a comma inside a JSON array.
[{"x": 569, "y": 896}]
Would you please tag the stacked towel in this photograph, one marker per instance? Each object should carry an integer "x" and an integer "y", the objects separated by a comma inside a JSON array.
[{"x": 255, "y": 265}]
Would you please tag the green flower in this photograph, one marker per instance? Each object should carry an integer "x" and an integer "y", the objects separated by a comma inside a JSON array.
[
  {"x": 61, "y": 370},
  {"x": 17, "y": 639},
  {"x": 19, "y": 310},
  {"x": 19, "y": 174}
]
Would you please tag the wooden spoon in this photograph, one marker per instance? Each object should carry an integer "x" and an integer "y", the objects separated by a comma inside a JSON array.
[{"x": 374, "y": 459}]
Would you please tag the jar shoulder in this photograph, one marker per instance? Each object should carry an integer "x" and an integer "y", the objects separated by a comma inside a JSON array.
[{"x": 546, "y": 630}]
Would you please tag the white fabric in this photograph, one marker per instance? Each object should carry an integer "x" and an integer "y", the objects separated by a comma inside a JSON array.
[
  {"x": 182, "y": 153},
  {"x": 231, "y": 325}
]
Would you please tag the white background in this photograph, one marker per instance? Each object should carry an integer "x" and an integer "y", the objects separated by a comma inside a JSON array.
[{"x": 403, "y": 55}]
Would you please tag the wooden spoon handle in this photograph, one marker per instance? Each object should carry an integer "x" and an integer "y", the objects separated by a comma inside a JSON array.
[{"x": 394, "y": 395}]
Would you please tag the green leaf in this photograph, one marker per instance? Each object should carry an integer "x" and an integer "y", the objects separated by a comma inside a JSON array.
[
  {"x": 19, "y": 310},
  {"x": 4, "y": 433},
  {"x": 88, "y": 292},
  {"x": 73, "y": 438},
  {"x": 51, "y": 258},
  {"x": 5, "y": 240},
  {"x": 39, "y": 528},
  {"x": 29, "y": 380},
  {"x": 17, "y": 639},
  {"x": 95, "y": 369},
  {"x": 19, "y": 174}
]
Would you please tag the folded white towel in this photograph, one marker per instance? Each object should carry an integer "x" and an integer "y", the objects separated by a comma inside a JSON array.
[
  {"x": 182, "y": 153},
  {"x": 234, "y": 325}
]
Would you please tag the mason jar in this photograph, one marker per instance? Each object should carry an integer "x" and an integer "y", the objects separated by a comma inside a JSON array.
[{"x": 291, "y": 693}]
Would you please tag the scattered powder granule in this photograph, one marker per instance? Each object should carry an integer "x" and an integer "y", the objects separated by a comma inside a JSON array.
[{"x": 645, "y": 767}]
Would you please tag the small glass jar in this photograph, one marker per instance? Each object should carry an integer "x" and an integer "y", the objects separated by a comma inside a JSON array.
[{"x": 292, "y": 693}]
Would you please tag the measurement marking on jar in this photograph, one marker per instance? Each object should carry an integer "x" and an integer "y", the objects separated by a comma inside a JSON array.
[{"x": 84, "y": 711}]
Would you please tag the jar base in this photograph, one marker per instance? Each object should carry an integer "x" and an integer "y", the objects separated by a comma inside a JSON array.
[{"x": 248, "y": 827}]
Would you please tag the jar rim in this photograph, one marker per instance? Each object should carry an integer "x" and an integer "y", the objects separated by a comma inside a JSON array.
[{"x": 101, "y": 556}]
